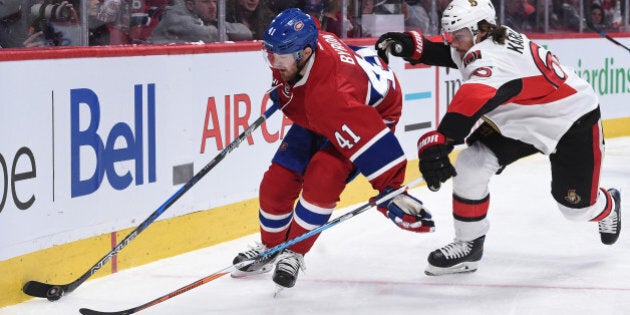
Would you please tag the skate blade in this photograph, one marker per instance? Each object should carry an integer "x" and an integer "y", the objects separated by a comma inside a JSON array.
[
  {"x": 464, "y": 267},
  {"x": 243, "y": 274},
  {"x": 279, "y": 289}
]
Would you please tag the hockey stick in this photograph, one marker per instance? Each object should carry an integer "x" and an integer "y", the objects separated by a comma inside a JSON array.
[
  {"x": 267, "y": 253},
  {"x": 54, "y": 292},
  {"x": 600, "y": 32}
]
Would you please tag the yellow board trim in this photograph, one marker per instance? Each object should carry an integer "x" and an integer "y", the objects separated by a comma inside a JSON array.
[
  {"x": 167, "y": 238},
  {"x": 617, "y": 127}
]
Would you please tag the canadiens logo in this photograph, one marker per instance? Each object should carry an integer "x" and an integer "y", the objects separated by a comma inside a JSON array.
[
  {"x": 287, "y": 91},
  {"x": 298, "y": 26},
  {"x": 283, "y": 146},
  {"x": 572, "y": 197}
]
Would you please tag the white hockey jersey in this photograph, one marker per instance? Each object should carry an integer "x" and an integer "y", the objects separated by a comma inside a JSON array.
[{"x": 521, "y": 89}]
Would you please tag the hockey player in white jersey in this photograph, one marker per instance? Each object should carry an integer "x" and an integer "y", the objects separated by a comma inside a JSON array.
[{"x": 529, "y": 103}]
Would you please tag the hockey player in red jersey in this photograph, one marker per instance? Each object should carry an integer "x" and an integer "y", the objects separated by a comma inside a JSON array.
[
  {"x": 344, "y": 105},
  {"x": 529, "y": 103}
]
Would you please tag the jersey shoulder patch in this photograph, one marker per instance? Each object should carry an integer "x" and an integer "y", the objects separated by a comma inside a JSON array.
[{"x": 471, "y": 56}]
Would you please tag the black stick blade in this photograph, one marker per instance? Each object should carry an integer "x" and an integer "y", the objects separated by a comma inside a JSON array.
[
  {"x": 87, "y": 311},
  {"x": 43, "y": 290},
  {"x": 36, "y": 289}
]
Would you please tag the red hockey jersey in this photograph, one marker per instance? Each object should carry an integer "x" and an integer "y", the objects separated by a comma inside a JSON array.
[{"x": 350, "y": 97}]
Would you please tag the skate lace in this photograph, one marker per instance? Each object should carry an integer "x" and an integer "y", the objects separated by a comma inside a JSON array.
[
  {"x": 609, "y": 224},
  {"x": 456, "y": 249},
  {"x": 254, "y": 250},
  {"x": 290, "y": 262}
]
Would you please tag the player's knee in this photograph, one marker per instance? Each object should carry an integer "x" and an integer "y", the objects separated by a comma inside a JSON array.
[
  {"x": 325, "y": 179},
  {"x": 475, "y": 166},
  {"x": 279, "y": 189}
]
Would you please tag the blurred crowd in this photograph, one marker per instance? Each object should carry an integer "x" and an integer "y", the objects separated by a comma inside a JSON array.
[{"x": 35, "y": 23}]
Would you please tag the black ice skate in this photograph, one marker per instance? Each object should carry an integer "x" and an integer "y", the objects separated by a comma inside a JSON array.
[
  {"x": 456, "y": 257},
  {"x": 258, "y": 267},
  {"x": 610, "y": 226},
  {"x": 287, "y": 268}
]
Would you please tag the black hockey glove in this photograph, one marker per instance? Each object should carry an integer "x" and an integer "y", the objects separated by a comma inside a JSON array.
[
  {"x": 435, "y": 166},
  {"x": 406, "y": 212},
  {"x": 408, "y": 45}
]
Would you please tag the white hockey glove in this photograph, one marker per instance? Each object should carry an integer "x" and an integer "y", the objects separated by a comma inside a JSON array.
[{"x": 406, "y": 212}]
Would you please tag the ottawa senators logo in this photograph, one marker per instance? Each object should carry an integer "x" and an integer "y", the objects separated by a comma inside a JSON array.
[
  {"x": 572, "y": 197},
  {"x": 471, "y": 56}
]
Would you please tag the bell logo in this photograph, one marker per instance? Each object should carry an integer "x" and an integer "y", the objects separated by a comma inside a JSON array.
[{"x": 106, "y": 151}]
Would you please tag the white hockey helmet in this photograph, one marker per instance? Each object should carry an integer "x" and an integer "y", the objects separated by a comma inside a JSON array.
[{"x": 466, "y": 14}]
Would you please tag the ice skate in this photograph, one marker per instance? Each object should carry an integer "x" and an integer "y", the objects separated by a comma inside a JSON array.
[
  {"x": 287, "y": 268},
  {"x": 456, "y": 257},
  {"x": 258, "y": 267},
  {"x": 610, "y": 226}
]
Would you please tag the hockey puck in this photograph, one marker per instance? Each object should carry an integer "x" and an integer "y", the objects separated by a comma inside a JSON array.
[{"x": 54, "y": 293}]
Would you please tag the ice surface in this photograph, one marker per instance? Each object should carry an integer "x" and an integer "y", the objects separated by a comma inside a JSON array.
[{"x": 535, "y": 262}]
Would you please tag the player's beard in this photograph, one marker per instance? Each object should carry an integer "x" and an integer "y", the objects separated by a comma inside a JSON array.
[{"x": 292, "y": 73}]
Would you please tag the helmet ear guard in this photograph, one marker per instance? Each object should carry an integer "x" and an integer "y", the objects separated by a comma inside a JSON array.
[{"x": 298, "y": 55}]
